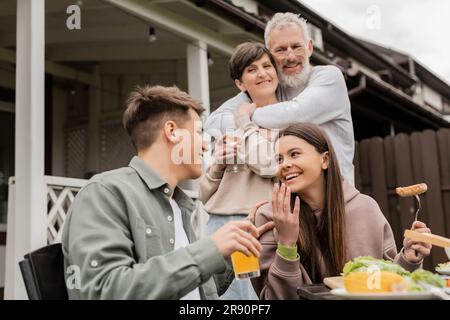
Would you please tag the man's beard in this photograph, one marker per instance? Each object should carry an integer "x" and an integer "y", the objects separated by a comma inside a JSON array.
[{"x": 296, "y": 80}]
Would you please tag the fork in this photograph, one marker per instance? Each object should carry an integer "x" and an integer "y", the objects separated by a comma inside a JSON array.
[
  {"x": 417, "y": 213},
  {"x": 418, "y": 207}
]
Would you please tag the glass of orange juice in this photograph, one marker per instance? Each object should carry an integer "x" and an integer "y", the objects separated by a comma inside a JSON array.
[{"x": 244, "y": 266}]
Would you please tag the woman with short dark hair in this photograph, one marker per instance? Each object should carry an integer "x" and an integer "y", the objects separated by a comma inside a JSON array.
[{"x": 229, "y": 195}]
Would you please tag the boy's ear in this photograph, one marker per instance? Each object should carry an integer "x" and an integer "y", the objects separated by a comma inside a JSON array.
[
  {"x": 240, "y": 85},
  {"x": 170, "y": 131}
]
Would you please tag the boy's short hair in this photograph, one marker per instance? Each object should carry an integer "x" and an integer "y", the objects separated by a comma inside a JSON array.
[
  {"x": 148, "y": 107},
  {"x": 244, "y": 55}
]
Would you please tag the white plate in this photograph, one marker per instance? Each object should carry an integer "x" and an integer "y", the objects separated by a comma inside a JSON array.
[
  {"x": 424, "y": 295},
  {"x": 445, "y": 271}
]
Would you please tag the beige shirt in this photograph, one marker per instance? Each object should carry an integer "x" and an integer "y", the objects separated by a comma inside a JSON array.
[
  {"x": 368, "y": 233},
  {"x": 229, "y": 193}
]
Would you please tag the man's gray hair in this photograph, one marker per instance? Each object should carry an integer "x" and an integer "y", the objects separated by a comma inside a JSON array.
[{"x": 280, "y": 20}]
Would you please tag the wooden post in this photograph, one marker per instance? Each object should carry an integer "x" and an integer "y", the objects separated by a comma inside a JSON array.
[
  {"x": 198, "y": 84},
  {"x": 198, "y": 78},
  {"x": 95, "y": 101},
  {"x": 27, "y": 231}
]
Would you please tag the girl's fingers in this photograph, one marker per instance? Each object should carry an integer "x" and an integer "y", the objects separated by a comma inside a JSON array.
[
  {"x": 421, "y": 244},
  {"x": 408, "y": 243},
  {"x": 252, "y": 215},
  {"x": 276, "y": 188},
  {"x": 296, "y": 211},
  {"x": 280, "y": 197},
  {"x": 421, "y": 249},
  {"x": 287, "y": 201},
  {"x": 423, "y": 230},
  {"x": 417, "y": 225}
]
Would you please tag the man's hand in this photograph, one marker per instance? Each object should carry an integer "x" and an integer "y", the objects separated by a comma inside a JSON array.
[
  {"x": 247, "y": 108},
  {"x": 237, "y": 236},
  {"x": 286, "y": 222},
  {"x": 269, "y": 134},
  {"x": 415, "y": 251}
]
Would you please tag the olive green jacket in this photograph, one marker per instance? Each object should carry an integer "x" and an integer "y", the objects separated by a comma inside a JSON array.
[{"x": 119, "y": 234}]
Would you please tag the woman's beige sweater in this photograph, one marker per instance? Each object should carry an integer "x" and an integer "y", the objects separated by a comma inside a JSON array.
[{"x": 227, "y": 193}]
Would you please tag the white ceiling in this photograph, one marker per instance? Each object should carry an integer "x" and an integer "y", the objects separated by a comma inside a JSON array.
[{"x": 110, "y": 34}]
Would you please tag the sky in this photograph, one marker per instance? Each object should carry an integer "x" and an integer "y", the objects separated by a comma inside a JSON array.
[{"x": 420, "y": 28}]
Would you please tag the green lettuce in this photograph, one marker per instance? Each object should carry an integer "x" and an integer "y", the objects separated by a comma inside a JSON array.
[
  {"x": 412, "y": 286},
  {"x": 361, "y": 264},
  {"x": 367, "y": 263},
  {"x": 421, "y": 275},
  {"x": 443, "y": 266}
]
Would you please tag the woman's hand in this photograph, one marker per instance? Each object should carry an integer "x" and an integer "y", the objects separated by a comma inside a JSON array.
[
  {"x": 224, "y": 152},
  {"x": 286, "y": 222},
  {"x": 252, "y": 216},
  {"x": 415, "y": 251},
  {"x": 247, "y": 108}
]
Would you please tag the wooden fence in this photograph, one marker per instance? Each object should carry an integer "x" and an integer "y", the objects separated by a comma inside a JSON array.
[{"x": 381, "y": 165}]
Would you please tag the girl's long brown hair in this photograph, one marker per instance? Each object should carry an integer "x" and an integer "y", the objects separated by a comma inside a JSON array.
[{"x": 328, "y": 234}]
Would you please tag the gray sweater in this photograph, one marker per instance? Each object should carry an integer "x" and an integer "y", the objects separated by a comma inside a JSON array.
[{"x": 323, "y": 101}]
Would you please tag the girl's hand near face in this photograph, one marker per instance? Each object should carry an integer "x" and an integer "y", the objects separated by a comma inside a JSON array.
[{"x": 286, "y": 222}]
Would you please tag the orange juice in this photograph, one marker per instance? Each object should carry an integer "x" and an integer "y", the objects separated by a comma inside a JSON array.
[{"x": 244, "y": 266}]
